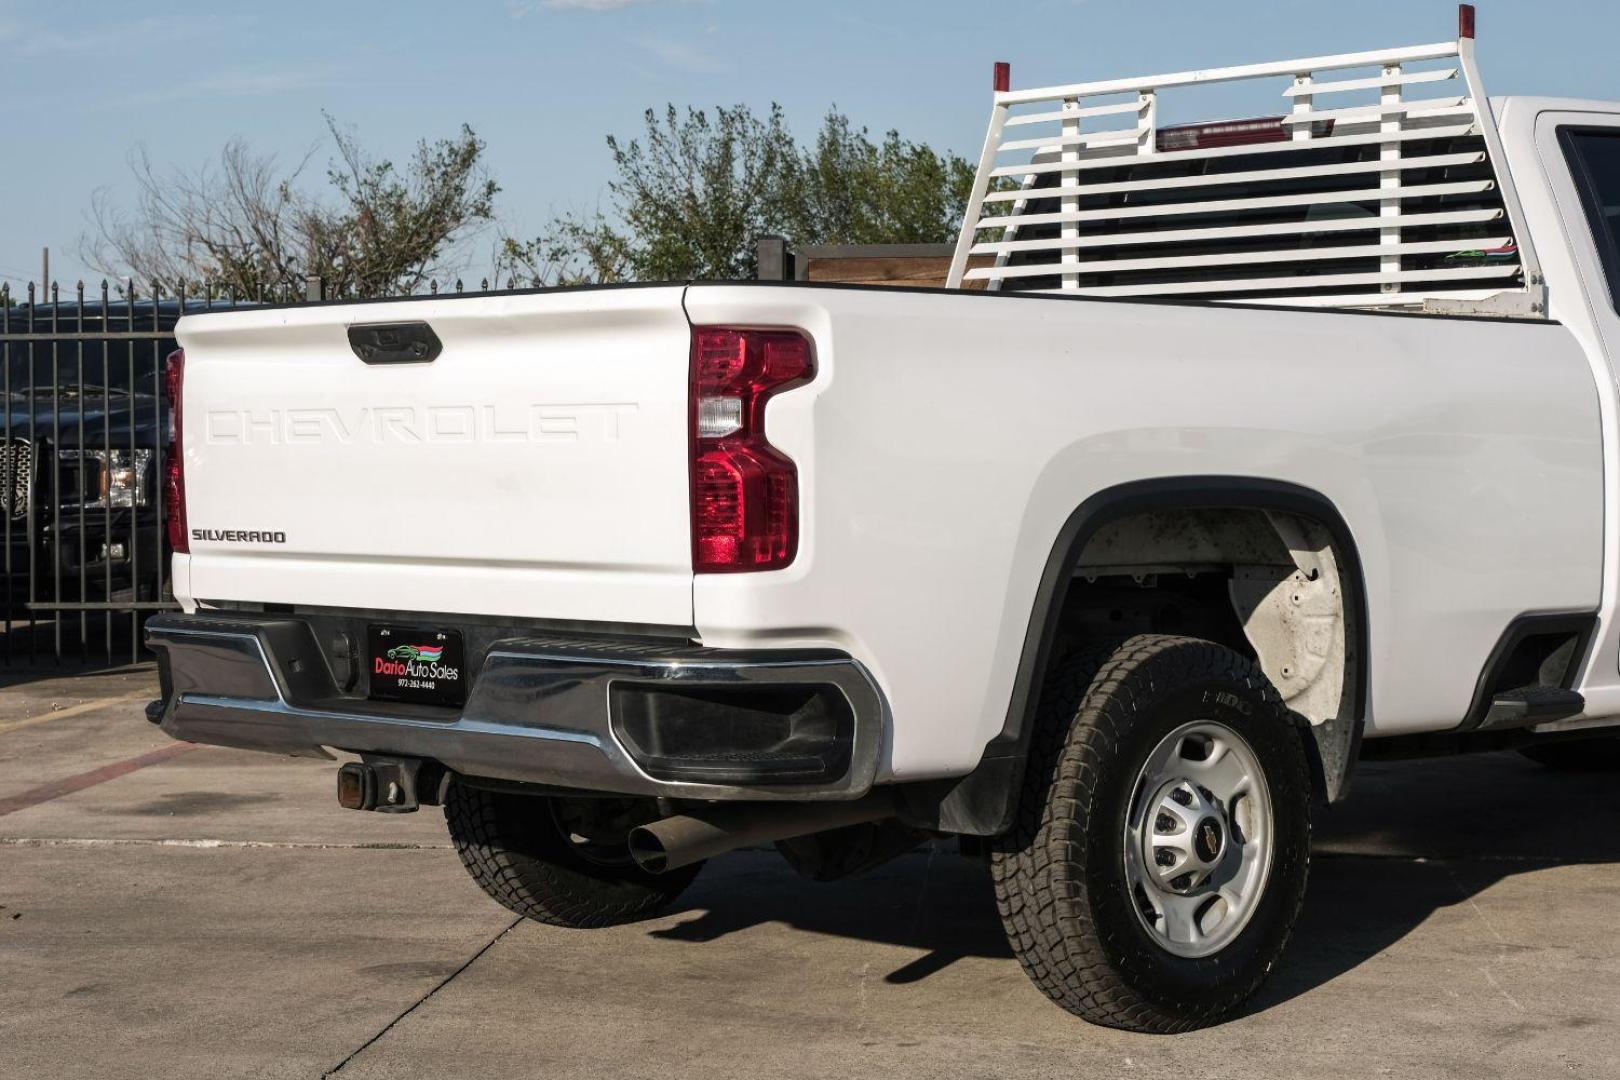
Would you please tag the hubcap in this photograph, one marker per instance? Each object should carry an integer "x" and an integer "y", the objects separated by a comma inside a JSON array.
[{"x": 1198, "y": 839}]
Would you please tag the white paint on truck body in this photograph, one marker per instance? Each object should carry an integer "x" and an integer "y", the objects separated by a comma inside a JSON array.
[
  {"x": 948, "y": 437},
  {"x": 537, "y": 468},
  {"x": 1580, "y": 300}
]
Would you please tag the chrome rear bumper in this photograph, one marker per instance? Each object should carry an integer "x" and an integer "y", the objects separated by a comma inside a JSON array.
[{"x": 538, "y": 710}]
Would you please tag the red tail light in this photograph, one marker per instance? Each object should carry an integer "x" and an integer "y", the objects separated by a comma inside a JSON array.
[
  {"x": 745, "y": 492},
  {"x": 174, "y": 465}
]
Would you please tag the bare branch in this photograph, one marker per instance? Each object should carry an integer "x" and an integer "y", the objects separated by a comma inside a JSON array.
[{"x": 246, "y": 224}]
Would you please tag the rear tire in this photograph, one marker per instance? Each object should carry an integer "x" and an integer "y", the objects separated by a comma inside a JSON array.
[
  {"x": 1578, "y": 756},
  {"x": 1109, "y": 917},
  {"x": 562, "y": 862}
]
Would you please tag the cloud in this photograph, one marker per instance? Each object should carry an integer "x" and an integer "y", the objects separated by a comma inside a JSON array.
[
  {"x": 242, "y": 82},
  {"x": 46, "y": 40},
  {"x": 680, "y": 55}
]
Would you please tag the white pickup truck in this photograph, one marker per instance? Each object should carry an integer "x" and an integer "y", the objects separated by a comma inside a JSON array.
[{"x": 1237, "y": 451}]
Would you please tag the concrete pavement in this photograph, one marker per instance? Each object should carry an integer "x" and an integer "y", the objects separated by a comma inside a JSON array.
[{"x": 211, "y": 913}]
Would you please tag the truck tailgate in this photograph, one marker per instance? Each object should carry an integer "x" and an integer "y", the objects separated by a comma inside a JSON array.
[{"x": 536, "y": 468}]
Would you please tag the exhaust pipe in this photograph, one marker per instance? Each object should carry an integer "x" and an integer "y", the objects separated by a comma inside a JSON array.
[{"x": 685, "y": 839}]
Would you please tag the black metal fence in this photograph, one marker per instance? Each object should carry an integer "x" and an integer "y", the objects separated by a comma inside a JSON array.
[{"x": 84, "y": 433}]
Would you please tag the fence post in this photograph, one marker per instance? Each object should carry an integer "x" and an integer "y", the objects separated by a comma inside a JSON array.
[{"x": 314, "y": 288}]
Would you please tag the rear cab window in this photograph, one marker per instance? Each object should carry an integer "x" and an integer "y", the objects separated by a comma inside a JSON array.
[{"x": 1594, "y": 161}]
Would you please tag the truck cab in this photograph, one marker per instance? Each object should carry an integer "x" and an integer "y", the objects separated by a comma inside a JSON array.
[{"x": 1568, "y": 153}]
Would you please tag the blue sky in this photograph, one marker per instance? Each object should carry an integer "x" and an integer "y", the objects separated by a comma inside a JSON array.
[{"x": 543, "y": 81}]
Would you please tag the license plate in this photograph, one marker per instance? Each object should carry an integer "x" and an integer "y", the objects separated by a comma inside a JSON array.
[{"x": 409, "y": 663}]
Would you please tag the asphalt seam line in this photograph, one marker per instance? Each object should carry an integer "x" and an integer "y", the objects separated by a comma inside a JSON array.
[
  {"x": 423, "y": 1000},
  {"x": 209, "y": 844}
]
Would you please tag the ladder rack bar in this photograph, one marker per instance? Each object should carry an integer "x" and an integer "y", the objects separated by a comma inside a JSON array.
[
  {"x": 1284, "y": 255},
  {"x": 1408, "y": 79},
  {"x": 1244, "y": 232},
  {"x": 1321, "y": 143},
  {"x": 1349, "y": 168},
  {"x": 1452, "y": 106},
  {"x": 1493, "y": 146},
  {"x": 1437, "y": 51},
  {"x": 1314, "y": 281},
  {"x": 1267, "y": 202},
  {"x": 1096, "y": 110}
]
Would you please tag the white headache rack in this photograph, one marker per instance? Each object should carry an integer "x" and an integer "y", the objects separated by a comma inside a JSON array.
[{"x": 1375, "y": 184}]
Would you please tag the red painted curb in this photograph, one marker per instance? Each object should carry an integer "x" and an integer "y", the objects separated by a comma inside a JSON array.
[{"x": 58, "y": 788}]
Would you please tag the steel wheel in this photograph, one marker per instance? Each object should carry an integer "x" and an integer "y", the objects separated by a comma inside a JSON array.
[
  {"x": 1199, "y": 839},
  {"x": 1163, "y": 839}
]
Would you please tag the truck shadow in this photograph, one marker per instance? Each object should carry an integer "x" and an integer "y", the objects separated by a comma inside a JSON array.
[
  {"x": 1418, "y": 837},
  {"x": 1412, "y": 839},
  {"x": 931, "y": 899}
]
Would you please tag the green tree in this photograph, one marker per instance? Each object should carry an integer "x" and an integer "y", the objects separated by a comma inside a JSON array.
[
  {"x": 846, "y": 189},
  {"x": 249, "y": 225},
  {"x": 690, "y": 197}
]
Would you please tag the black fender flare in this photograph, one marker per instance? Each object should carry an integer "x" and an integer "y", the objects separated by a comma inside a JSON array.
[{"x": 984, "y": 802}]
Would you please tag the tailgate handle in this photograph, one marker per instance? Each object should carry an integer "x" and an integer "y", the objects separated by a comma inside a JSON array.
[{"x": 395, "y": 342}]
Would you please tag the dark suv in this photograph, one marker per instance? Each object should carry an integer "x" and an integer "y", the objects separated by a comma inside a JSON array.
[{"x": 83, "y": 432}]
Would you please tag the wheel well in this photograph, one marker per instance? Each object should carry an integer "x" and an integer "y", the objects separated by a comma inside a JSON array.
[
  {"x": 1266, "y": 583},
  {"x": 1267, "y": 568}
]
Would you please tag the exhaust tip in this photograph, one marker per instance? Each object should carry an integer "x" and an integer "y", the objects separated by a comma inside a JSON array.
[{"x": 648, "y": 851}]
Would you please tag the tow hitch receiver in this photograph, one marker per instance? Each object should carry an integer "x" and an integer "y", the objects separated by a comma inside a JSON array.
[{"x": 387, "y": 785}]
